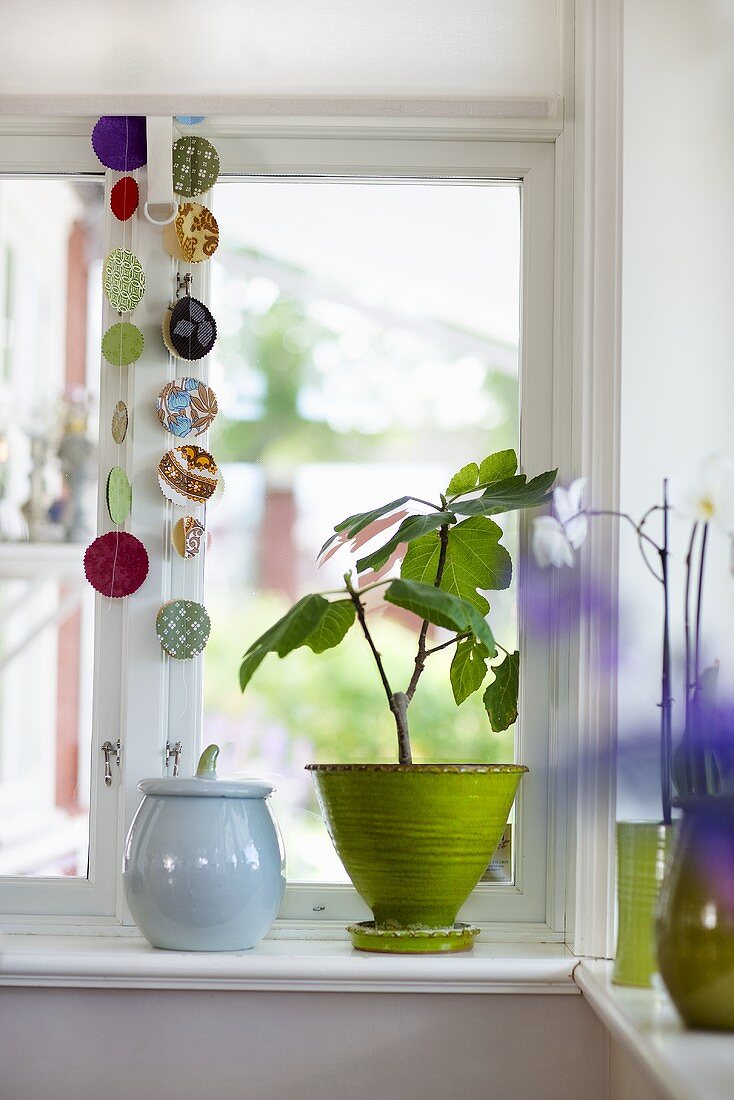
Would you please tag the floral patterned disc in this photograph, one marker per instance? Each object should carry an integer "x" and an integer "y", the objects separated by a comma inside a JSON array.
[
  {"x": 192, "y": 331},
  {"x": 195, "y": 166},
  {"x": 123, "y": 279},
  {"x": 193, "y": 235},
  {"x": 122, "y": 344},
  {"x": 119, "y": 495},
  {"x": 187, "y": 535},
  {"x": 183, "y": 628},
  {"x": 187, "y": 405},
  {"x": 119, "y": 422},
  {"x": 116, "y": 564},
  {"x": 187, "y": 475}
]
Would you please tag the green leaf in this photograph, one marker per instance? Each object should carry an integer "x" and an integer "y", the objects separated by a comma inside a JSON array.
[
  {"x": 334, "y": 625},
  {"x": 474, "y": 559},
  {"x": 497, "y": 467},
  {"x": 440, "y": 608},
  {"x": 508, "y": 495},
  {"x": 468, "y": 668},
  {"x": 464, "y": 480},
  {"x": 287, "y": 634},
  {"x": 352, "y": 525},
  {"x": 414, "y": 527},
  {"x": 500, "y": 698}
]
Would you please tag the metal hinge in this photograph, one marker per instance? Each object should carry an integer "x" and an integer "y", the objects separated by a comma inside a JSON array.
[
  {"x": 111, "y": 752},
  {"x": 175, "y": 755}
]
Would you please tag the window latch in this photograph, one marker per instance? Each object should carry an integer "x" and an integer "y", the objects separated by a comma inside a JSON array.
[
  {"x": 111, "y": 752},
  {"x": 175, "y": 755}
]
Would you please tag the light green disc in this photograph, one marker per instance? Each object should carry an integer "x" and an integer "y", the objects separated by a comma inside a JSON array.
[
  {"x": 119, "y": 495},
  {"x": 195, "y": 166},
  {"x": 122, "y": 344},
  {"x": 183, "y": 628},
  {"x": 123, "y": 280}
]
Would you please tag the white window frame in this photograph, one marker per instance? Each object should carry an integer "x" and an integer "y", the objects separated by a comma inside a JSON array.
[{"x": 534, "y": 906}]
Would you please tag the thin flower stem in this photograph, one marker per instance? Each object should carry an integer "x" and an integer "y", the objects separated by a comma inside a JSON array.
[
  {"x": 666, "y": 703},
  {"x": 699, "y": 605},
  {"x": 687, "y": 626},
  {"x": 637, "y": 527},
  {"x": 618, "y": 515}
]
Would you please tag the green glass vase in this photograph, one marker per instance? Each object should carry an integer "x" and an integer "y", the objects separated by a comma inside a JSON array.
[
  {"x": 695, "y": 926},
  {"x": 641, "y": 855}
]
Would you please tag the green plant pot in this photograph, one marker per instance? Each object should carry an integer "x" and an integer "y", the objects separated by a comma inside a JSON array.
[
  {"x": 641, "y": 853},
  {"x": 695, "y": 928},
  {"x": 415, "y": 838}
]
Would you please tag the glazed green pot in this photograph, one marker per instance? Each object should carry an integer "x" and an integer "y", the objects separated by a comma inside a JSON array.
[
  {"x": 415, "y": 838},
  {"x": 695, "y": 927},
  {"x": 641, "y": 854}
]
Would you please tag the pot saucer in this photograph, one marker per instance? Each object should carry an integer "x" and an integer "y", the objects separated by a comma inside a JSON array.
[{"x": 412, "y": 941}]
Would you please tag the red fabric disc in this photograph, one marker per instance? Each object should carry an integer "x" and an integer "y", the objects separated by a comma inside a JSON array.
[
  {"x": 116, "y": 564},
  {"x": 124, "y": 198}
]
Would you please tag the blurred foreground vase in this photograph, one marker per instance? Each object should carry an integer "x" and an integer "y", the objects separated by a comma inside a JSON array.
[
  {"x": 695, "y": 927},
  {"x": 641, "y": 856},
  {"x": 203, "y": 868},
  {"x": 415, "y": 839}
]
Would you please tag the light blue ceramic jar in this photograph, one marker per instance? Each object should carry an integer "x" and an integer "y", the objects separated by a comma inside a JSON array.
[{"x": 204, "y": 865}]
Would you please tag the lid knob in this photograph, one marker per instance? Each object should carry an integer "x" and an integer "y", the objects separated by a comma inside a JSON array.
[{"x": 207, "y": 767}]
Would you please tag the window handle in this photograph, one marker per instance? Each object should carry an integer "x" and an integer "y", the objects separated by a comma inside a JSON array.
[
  {"x": 175, "y": 755},
  {"x": 110, "y": 752}
]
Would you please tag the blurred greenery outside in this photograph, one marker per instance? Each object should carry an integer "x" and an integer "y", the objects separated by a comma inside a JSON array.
[{"x": 279, "y": 365}]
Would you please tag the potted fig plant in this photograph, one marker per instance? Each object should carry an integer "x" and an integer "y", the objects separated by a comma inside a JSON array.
[{"x": 415, "y": 838}]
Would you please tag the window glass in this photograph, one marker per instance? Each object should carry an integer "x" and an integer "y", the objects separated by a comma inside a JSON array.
[
  {"x": 368, "y": 346},
  {"x": 50, "y": 311}
]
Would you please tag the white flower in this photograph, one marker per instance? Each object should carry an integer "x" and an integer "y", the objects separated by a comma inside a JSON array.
[
  {"x": 550, "y": 545},
  {"x": 568, "y": 505},
  {"x": 556, "y": 537},
  {"x": 708, "y": 497}
]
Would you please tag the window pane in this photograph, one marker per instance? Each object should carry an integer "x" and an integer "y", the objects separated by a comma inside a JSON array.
[
  {"x": 367, "y": 347},
  {"x": 50, "y": 290}
]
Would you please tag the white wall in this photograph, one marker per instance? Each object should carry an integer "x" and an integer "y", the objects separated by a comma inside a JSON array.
[
  {"x": 678, "y": 309},
  {"x": 72, "y": 1044}
]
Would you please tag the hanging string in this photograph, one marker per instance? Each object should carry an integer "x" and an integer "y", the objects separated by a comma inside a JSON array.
[{"x": 118, "y": 444}]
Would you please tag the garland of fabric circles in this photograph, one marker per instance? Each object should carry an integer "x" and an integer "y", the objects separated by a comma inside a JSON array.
[
  {"x": 116, "y": 563},
  {"x": 186, "y": 407}
]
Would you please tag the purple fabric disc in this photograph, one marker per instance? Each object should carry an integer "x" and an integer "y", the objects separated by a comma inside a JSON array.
[{"x": 120, "y": 142}]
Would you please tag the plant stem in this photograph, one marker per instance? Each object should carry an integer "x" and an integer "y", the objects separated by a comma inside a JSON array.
[
  {"x": 687, "y": 627},
  {"x": 666, "y": 703},
  {"x": 699, "y": 604},
  {"x": 422, "y": 653},
  {"x": 445, "y": 645},
  {"x": 396, "y": 702}
]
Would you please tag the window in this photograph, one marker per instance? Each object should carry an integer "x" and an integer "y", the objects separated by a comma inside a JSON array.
[{"x": 485, "y": 317}]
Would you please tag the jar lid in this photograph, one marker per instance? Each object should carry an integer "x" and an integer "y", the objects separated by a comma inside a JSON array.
[
  {"x": 207, "y": 788},
  {"x": 205, "y": 783}
]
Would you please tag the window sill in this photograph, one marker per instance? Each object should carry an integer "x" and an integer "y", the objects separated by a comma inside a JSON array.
[
  {"x": 685, "y": 1065},
  {"x": 286, "y": 965}
]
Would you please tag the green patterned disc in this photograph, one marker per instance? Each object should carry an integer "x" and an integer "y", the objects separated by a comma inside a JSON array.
[
  {"x": 123, "y": 280},
  {"x": 119, "y": 495},
  {"x": 183, "y": 628},
  {"x": 195, "y": 166},
  {"x": 122, "y": 344}
]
